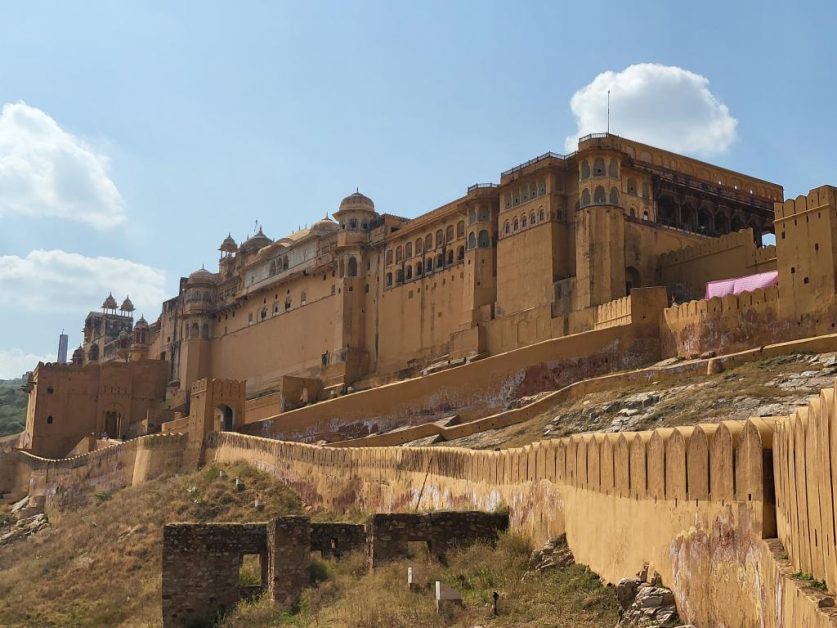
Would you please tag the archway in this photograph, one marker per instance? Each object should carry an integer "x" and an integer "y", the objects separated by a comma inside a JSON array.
[
  {"x": 112, "y": 423},
  {"x": 224, "y": 418},
  {"x": 632, "y": 280}
]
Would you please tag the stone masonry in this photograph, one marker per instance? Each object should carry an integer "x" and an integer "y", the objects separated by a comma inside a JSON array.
[
  {"x": 335, "y": 539},
  {"x": 201, "y": 564},
  {"x": 389, "y": 534}
]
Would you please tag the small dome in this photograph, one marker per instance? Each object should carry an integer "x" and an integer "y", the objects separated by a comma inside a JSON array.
[
  {"x": 357, "y": 202},
  {"x": 228, "y": 245},
  {"x": 126, "y": 306},
  {"x": 258, "y": 241},
  {"x": 325, "y": 225},
  {"x": 109, "y": 303},
  {"x": 141, "y": 322},
  {"x": 201, "y": 276}
]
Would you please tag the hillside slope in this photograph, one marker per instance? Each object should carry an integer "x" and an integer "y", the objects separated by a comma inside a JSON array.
[
  {"x": 12, "y": 406},
  {"x": 99, "y": 565}
]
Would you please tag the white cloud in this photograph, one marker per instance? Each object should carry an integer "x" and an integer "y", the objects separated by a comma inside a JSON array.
[
  {"x": 661, "y": 105},
  {"x": 15, "y": 362},
  {"x": 46, "y": 171},
  {"x": 57, "y": 280}
]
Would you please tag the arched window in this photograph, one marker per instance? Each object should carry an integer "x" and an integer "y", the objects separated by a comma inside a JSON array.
[
  {"x": 585, "y": 197},
  {"x": 353, "y": 224},
  {"x": 472, "y": 240},
  {"x": 428, "y": 242},
  {"x": 614, "y": 196},
  {"x": 506, "y": 227},
  {"x": 273, "y": 267},
  {"x": 460, "y": 254},
  {"x": 275, "y": 308},
  {"x": 542, "y": 187},
  {"x": 419, "y": 268},
  {"x": 287, "y": 303},
  {"x": 532, "y": 218},
  {"x": 599, "y": 195},
  {"x": 408, "y": 250},
  {"x": 449, "y": 234},
  {"x": 631, "y": 186},
  {"x": 533, "y": 189},
  {"x": 352, "y": 267},
  {"x": 205, "y": 328},
  {"x": 484, "y": 239},
  {"x": 645, "y": 193},
  {"x": 440, "y": 238},
  {"x": 409, "y": 272},
  {"x": 342, "y": 271},
  {"x": 285, "y": 263},
  {"x": 428, "y": 265},
  {"x": 599, "y": 167},
  {"x": 507, "y": 197},
  {"x": 440, "y": 261},
  {"x": 399, "y": 276},
  {"x": 399, "y": 254},
  {"x": 303, "y": 298},
  {"x": 460, "y": 229},
  {"x": 585, "y": 169},
  {"x": 523, "y": 221},
  {"x": 388, "y": 280},
  {"x": 263, "y": 314},
  {"x": 633, "y": 213},
  {"x": 485, "y": 214},
  {"x": 419, "y": 243},
  {"x": 450, "y": 257},
  {"x": 645, "y": 215},
  {"x": 541, "y": 215},
  {"x": 472, "y": 216},
  {"x": 195, "y": 330},
  {"x": 613, "y": 169},
  {"x": 515, "y": 225},
  {"x": 389, "y": 257}
]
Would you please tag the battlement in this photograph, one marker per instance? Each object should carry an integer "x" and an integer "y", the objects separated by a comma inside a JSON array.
[
  {"x": 694, "y": 311},
  {"x": 820, "y": 197},
  {"x": 710, "y": 246},
  {"x": 613, "y": 313}
]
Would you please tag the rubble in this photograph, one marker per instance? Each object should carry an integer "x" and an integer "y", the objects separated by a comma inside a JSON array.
[
  {"x": 23, "y": 528},
  {"x": 555, "y": 554},
  {"x": 646, "y": 604}
]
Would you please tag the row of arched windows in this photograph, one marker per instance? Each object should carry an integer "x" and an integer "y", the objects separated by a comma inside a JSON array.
[
  {"x": 600, "y": 168},
  {"x": 525, "y": 192},
  {"x": 600, "y": 196},
  {"x": 348, "y": 269},
  {"x": 442, "y": 237},
  {"x": 425, "y": 267},
  {"x": 195, "y": 331},
  {"x": 279, "y": 264},
  {"x": 478, "y": 214},
  {"x": 521, "y": 222},
  {"x": 482, "y": 240}
]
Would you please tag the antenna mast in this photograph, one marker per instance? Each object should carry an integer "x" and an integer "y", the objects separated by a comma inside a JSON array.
[{"x": 608, "y": 111}]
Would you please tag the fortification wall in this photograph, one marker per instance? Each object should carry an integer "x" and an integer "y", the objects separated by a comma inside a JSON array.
[
  {"x": 737, "y": 322},
  {"x": 70, "y": 481},
  {"x": 687, "y": 270},
  {"x": 486, "y": 383},
  {"x": 695, "y": 493}
]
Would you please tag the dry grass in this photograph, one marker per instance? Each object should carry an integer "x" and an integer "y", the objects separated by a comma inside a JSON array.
[
  {"x": 99, "y": 565},
  {"x": 712, "y": 400},
  {"x": 349, "y": 596}
]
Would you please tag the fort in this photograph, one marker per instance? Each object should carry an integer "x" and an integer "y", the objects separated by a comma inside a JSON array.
[{"x": 319, "y": 357}]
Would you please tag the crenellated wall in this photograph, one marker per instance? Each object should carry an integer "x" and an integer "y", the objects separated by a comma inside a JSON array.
[{"x": 692, "y": 502}]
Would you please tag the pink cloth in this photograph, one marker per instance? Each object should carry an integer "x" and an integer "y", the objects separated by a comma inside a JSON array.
[{"x": 723, "y": 287}]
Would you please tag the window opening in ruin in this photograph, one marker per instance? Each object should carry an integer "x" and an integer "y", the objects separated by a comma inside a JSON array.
[
  {"x": 251, "y": 574},
  {"x": 418, "y": 549},
  {"x": 49, "y": 419}
]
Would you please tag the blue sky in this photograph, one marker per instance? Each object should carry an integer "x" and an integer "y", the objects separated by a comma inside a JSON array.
[{"x": 134, "y": 136}]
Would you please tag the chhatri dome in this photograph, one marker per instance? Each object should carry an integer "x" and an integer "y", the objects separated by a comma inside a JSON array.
[
  {"x": 324, "y": 225},
  {"x": 201, "y": 276},
  {"x": 258, "y": 241},
  {"x": 126, "y": 306},
  {"x": 109, "y": 303},
  {"x": 356, "y": 202},
  {"x": 228, "y": 245}
]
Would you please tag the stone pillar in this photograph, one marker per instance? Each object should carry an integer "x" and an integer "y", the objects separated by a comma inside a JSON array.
[{"x": 289, "y": 549}]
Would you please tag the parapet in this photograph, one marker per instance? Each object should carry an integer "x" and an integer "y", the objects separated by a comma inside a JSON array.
[{"x": 823, "y": 196}]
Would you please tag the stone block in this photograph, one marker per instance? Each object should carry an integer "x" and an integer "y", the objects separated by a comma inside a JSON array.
[{"x": 448, "y": 600}]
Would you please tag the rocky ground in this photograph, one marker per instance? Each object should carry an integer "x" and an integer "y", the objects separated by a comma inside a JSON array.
[{"x": 774, "y": 386}]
